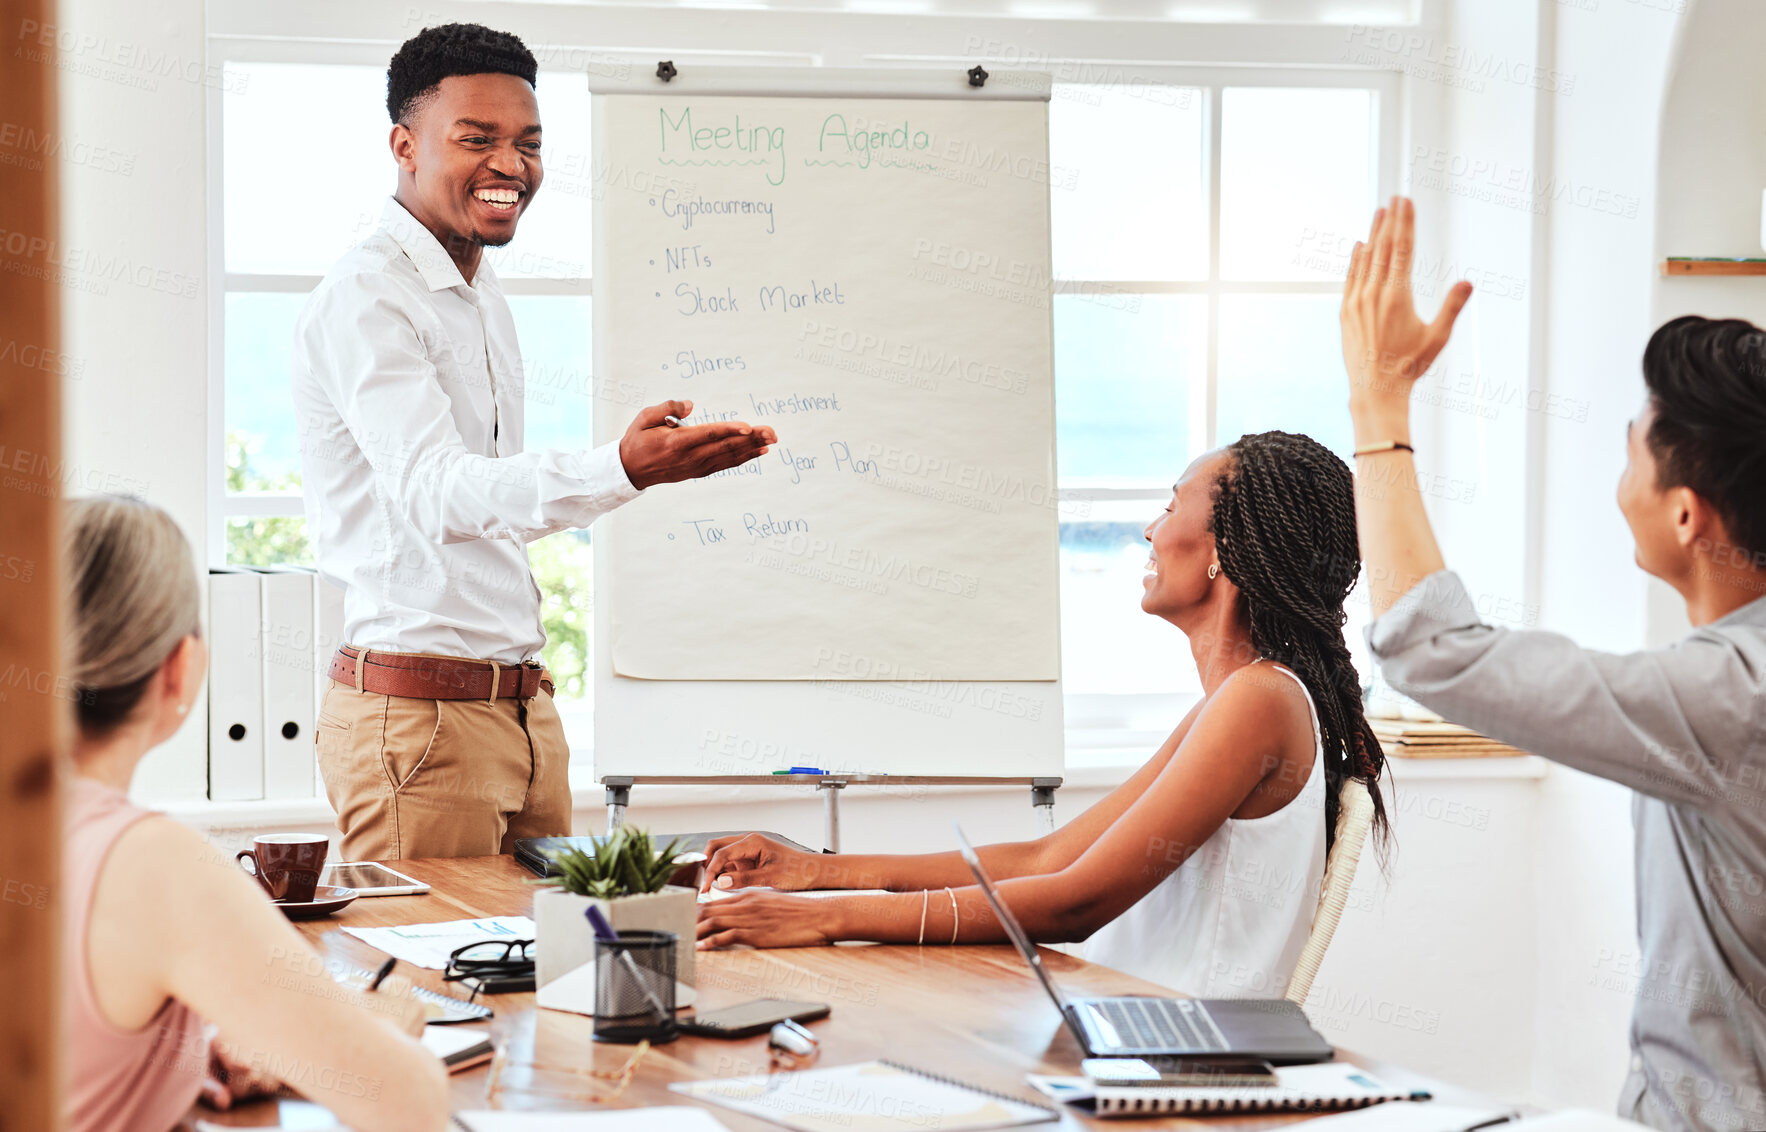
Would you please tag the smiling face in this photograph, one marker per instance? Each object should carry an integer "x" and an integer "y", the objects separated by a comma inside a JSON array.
[
  {"x": 1182, "y": 546},
  {"x": 469, "y": 159}
]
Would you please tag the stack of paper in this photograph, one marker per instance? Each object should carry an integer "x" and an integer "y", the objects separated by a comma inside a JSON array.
[{"x": 1418, "y": 739}]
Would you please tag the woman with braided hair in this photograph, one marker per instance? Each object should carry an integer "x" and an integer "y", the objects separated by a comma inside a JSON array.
[
  {"x": 1202, "y": 870},
  {"x": 1284, "y": 529}
]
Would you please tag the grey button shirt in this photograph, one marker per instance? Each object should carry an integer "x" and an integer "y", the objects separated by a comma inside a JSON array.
[{"x": 1685, "y": 727}]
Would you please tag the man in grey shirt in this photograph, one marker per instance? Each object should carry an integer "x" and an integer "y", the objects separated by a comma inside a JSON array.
[{"x": 1684, "y": 726}]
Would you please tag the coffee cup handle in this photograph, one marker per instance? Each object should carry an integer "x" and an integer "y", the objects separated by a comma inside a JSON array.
[{"x": 247, "y": 854}]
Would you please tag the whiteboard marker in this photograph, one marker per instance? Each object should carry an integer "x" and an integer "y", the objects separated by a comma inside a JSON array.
[{"x": 672, "y": 422}]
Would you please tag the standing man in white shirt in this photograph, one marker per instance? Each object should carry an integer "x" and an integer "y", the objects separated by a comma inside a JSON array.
[{"x": 437, "y": 736}]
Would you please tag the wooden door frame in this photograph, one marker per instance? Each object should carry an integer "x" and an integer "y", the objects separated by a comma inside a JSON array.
[{"x": 33, "y": 698}]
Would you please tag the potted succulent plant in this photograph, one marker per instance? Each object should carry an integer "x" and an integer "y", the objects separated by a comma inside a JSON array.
[{"x": 628, "y": 877}]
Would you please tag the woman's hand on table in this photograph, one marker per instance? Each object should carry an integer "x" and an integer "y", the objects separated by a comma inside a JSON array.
[
  {"x": 751, "y": 860},
  {"x": 396, "y": 1001},
  {"x": 232, "y": 1076},
  {"x": 764, "y": 918}
]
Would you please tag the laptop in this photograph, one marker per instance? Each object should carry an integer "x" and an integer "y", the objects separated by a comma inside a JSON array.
[{"x": 1273, "y": 1030}]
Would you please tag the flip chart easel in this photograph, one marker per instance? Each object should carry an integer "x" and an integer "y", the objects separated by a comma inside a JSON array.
[{"x": 879, "y": 597}]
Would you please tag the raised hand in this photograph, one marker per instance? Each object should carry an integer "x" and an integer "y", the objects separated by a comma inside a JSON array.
[
  {"x": 1386, "y": 344},
  {"x": 751, "y": 859},
  {"x": 653, "y": 452}
]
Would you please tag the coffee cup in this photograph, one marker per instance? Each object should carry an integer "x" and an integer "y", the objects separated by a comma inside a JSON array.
[{"x": 286, "y": 864}]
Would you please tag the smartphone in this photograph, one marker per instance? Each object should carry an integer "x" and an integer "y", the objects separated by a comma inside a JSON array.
[
  {"x": 1234, "y": 1073},
  {"x": 498, "y": 984},
  {"x": 750, "y": 1018}
]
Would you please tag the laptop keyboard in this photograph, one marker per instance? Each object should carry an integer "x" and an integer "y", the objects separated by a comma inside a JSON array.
[{"x": 1162, "y": 1023}]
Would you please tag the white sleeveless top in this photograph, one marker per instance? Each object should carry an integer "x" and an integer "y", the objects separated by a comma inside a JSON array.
[{"x": 1231, "y": 921}]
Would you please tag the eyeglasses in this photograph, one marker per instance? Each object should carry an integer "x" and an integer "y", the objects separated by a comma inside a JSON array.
[{"x": 507, "y": 959}]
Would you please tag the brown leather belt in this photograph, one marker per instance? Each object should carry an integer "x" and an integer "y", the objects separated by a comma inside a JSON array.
[{"x": 436, "y": 677}]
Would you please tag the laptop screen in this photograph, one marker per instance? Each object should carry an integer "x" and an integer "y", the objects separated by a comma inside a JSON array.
[{"x": 1016, "y": 931}]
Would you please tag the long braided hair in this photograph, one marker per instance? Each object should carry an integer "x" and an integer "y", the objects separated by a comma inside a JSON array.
[{"x": 1284, "y": 528}]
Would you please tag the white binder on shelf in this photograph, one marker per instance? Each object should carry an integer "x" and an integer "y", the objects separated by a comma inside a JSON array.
[
  {"x": 287, "y": 631},
  {"x": 327, "y": 632},
  {"x": 235, "y": 686}
]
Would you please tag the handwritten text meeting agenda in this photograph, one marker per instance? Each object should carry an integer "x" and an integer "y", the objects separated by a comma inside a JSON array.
[{"x": 856, "y": 143}]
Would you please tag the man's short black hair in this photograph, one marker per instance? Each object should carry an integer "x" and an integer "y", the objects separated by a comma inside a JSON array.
[
  {"x": 452, "y": 49},
  {"x": 1707, "y": 382}
]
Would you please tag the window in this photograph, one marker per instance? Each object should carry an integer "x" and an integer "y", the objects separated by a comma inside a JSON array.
[
  {"x": 279, "y": 234},
  {"x": 1196, "y": 300}
]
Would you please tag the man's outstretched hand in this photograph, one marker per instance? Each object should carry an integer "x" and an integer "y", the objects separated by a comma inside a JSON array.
[
  {"x": 1386, "y": 346},
  {"x": 654, "y": 453}
]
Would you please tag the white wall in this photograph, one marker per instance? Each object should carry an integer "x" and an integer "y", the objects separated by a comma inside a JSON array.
[
  {"x": 1708, "y": 189},
  {"x": 134, "y": 88},
  {"x": 1601, "y": 253}
]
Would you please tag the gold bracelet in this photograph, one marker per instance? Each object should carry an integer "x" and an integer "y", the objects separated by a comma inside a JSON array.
[{"x": 1383, "y": 446}]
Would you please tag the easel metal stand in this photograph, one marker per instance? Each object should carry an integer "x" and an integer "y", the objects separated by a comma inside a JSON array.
[{"x": 619, "y": 791}]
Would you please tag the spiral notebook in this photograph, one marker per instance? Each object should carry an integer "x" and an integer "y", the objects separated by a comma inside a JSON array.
[
  {"x": 874, "y": 1096},
  {"x": 1330, "y": 1087}
]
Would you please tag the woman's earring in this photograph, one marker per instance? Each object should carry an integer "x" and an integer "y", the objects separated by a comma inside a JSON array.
[
  {"x": 1213, "y": 570},
  {"x": 183, "y": 709}
]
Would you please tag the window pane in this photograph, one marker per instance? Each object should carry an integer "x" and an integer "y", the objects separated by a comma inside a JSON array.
[
  {"x": 279, "y": 541},
  {"x": 1108, "y": 645},
  {"x": 287, "y": 214},
  {"x": 553, "y": 239},
  {"x": 1126, "y": 197},
  {"x": 1296, "y": 179},
  {"x": 305, "y": 163},
  {"x": 555, "y": 363},
  {"x": 263, "y": 445},
  {"x": 1123, "y": 367},
  {"x": 1281, "y": 367},
  {"x": 563, "y": 566}
]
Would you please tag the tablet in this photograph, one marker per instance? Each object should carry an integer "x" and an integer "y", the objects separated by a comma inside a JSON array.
[{"x": 370, "y": 878}]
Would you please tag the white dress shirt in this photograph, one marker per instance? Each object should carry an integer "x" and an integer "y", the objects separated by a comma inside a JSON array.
[{"x": 419, "y": 500}]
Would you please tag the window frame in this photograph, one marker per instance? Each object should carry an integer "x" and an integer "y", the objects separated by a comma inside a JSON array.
[
  {"x": 1101, "y": 727},
  {"x": 1105, "y": 719}
]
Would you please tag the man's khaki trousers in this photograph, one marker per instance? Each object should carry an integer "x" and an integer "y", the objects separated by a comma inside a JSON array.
[{"x": 441, "y": 778}]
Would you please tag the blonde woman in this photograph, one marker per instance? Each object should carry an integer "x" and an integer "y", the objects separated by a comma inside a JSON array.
[{"x": 168, "y": 941}]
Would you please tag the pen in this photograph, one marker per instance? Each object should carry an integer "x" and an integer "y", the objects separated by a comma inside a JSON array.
[
  {"x": 385, "y": 970},
  {"x": 604, "y": 930},
  {"x": 672, "y": 422},
  {"x": 802, "y": 770}
]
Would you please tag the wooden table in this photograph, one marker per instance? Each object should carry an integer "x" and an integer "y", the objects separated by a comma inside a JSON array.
[{"x": 975, "y": 1013}]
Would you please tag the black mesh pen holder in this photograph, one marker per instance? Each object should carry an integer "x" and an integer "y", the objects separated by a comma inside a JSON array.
[{"x": 635, "y": 988}]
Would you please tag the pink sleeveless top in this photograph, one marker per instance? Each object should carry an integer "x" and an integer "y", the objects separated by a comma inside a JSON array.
[{"x": 117, "y": 1080}]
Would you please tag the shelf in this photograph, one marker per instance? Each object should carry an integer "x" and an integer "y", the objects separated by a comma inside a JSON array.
[{"x": 1672, "y": 266}]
